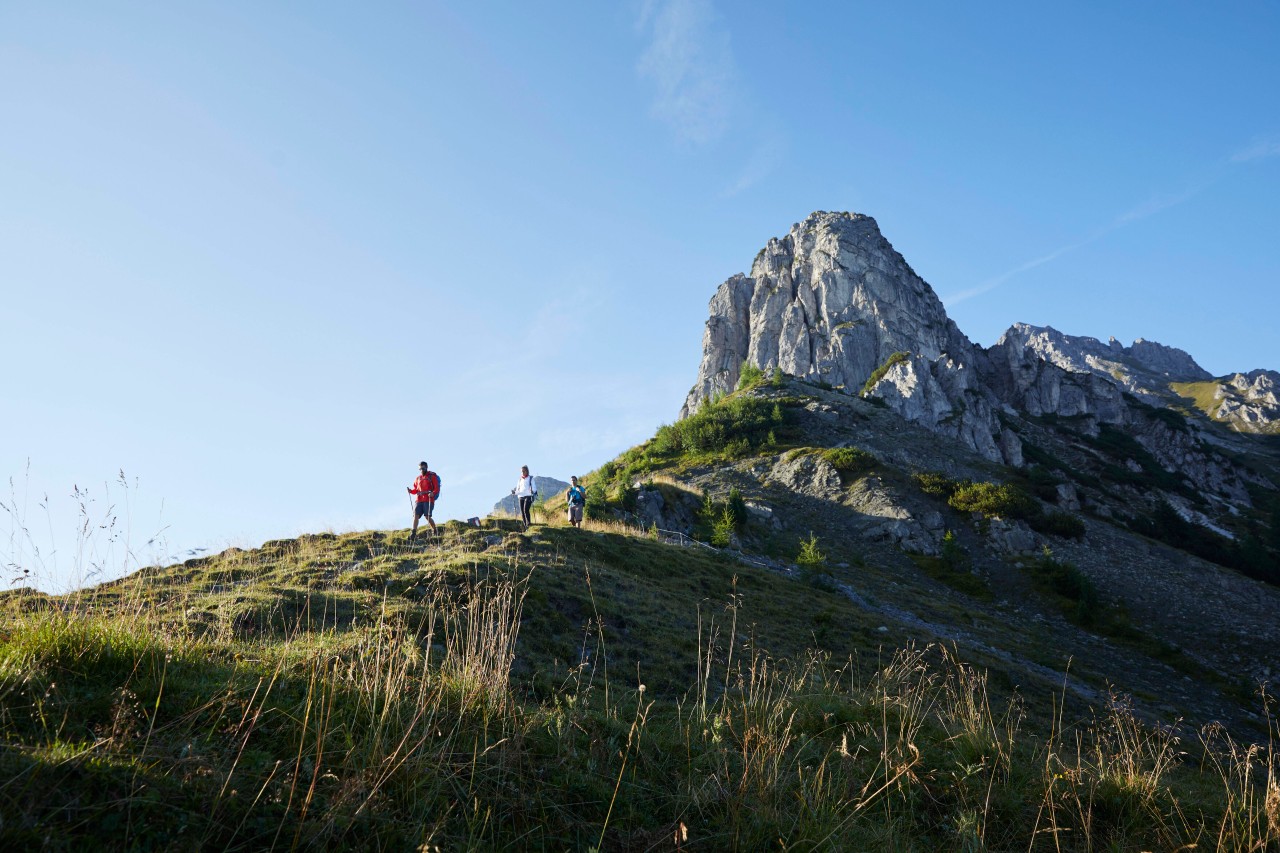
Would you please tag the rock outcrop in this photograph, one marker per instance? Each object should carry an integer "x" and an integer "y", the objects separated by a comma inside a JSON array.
[
  {"x": 1250, "y": 402},
  {"x": 1032, "y": 374},
  {"x": 832, "y": 300}
]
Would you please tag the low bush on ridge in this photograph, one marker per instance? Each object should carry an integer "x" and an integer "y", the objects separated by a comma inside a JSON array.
[
  {"x": 879, "y": 372},
  {"x": 725, "y": 427},
  {"x": 850, "y": 460},
  {"x": 1066, "y": 581},
  {"x": 734, "y": 425},
  {"x": 750, "y": 376},
  {"x": 1000, "y": 500}
]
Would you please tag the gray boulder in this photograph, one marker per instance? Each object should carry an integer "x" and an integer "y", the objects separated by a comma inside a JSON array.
[
  {"x": 808, "y": 475},
  {"x": 1011, "y": 537}
]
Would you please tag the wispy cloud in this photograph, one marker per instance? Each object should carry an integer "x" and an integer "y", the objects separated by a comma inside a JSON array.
[
  {"x": 1258, "y": 150},
  {"x": 766, "y": 157},
  {"x": 688, "y": 60},
  {"x": 993, "y": 283},
  {"x": 1162, "y": 202},
  {"x": 1150, "y": 207}
]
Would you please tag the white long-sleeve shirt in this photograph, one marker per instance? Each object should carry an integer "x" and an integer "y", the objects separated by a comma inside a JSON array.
[{"x": 527, "y": 487}]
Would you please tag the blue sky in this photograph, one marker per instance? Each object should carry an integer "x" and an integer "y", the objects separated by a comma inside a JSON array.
[{"x": 263, "y": 258}]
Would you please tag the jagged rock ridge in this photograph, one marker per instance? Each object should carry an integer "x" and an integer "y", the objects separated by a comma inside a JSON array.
[{"x": 832, "y": 301}]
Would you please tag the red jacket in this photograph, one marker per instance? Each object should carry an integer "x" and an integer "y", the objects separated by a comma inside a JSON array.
[{"x": 426, "y": 487}]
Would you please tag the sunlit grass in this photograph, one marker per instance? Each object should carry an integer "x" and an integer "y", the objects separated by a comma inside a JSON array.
[{"x": 562, "y": 689}]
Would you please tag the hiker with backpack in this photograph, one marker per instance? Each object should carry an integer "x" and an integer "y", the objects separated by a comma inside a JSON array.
[
  {"x": 576, "y": 499},
  {"x": 426, "y": 488},
  {"x": 525, "y": 491}
]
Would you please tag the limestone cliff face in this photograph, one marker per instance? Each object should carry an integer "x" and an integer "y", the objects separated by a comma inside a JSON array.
[
  {"x": 1043, "y": 372},
  {"x": 1144, "y": 369},
  {"x": 832, "y": 301}
]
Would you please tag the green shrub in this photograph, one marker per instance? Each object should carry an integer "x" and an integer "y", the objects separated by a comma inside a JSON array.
[
  {"x": 1065, "y": 580},
  {"x": 850, "y": 460},
  {"x": 717, "y": 522},
  {"x": 1003, "y": 500},
  {"x": 737, "y": 506},
  {"x": 1043, "y": 482},
  {"x": 1058, "y": 523},
  {"x": 994, "y": 499},
  {"x": 879, "y": 372},
  {"x": 812, "y": 562},
  {"x": 1038, "y": 456},
  {"x": 938, "y": 485},
  {"x": 952, "y": 567},
  {"x": 749, "y": 377},
  {"x": 734, "y": 425},
  {"x": 707, "y": 512},
  {"x": 597, "y": 499},
  {"x": 953, "y": 556},
  {"x": 810, "y": 555},
  {"x": 1123, "y": 447},
  {"x": 722, "y": 528}
]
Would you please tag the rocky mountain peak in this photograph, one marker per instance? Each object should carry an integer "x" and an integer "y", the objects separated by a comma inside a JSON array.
[
  {"x": 1168, "y": 361},
  {"x": 831, "y": 301}
]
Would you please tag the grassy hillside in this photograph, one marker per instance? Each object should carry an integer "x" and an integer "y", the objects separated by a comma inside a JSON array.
[{"x": 561, "y": 690}]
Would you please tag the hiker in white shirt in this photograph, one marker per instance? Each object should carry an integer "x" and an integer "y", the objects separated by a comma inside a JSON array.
[{"x": 525, "y": 491}]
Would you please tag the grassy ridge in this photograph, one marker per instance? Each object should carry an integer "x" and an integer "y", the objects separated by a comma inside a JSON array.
[{"x": 571, "y": 690}]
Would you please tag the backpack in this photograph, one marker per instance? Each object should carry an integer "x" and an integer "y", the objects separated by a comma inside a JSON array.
[
  {"x": 433, "y": 484},
  {"x": 577, "y": 497}
]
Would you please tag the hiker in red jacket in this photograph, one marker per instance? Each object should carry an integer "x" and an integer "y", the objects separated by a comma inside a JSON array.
[{"x": 427, "y": 489}]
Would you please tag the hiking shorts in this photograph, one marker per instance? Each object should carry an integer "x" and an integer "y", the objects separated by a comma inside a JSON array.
[
  {"x": 423, "y": 509},
  {"x": 575, "y": 513}
]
